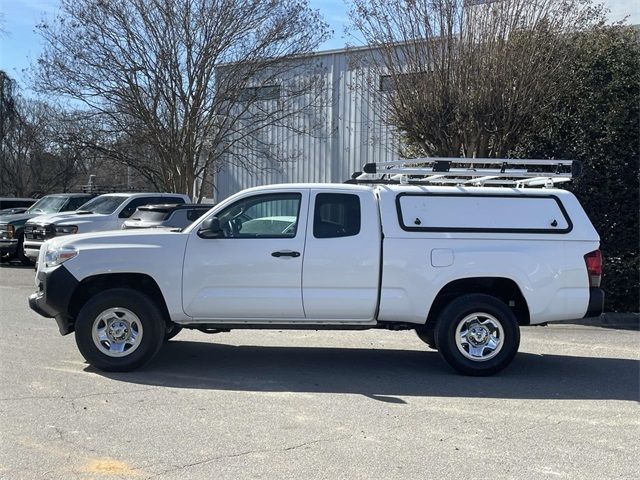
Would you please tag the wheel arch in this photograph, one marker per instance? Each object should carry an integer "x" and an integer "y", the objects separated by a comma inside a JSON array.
[
  {"x": 140, "y": 282},
  {"x": 503, "y": 288}
]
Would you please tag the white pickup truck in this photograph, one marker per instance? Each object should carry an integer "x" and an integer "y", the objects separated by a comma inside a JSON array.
[{"x": 465, "y": 267}]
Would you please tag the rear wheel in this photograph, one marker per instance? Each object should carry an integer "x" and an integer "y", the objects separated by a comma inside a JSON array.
[
  {"x": 477, "y": 334},
  {"x": 119, "y": 330}
]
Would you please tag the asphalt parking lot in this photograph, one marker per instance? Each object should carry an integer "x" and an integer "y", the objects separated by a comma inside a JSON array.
[{"x": 307, "y": 405}]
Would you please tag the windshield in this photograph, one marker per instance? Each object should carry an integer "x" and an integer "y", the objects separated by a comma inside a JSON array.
[
  {"x": 104, "y": 204},
  {"x": 49, "y": 204}
]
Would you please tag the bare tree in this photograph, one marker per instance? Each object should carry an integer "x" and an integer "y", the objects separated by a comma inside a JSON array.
[
  {"x": 44, "y": 148},
  {"x": 8, "y": 112},
  {"x": 35, "y": 158},
  {"x": 467, "y": 77},
  {"x": 151, "y": 71}
]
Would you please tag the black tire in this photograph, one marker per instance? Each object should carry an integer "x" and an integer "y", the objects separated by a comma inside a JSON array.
[
  {"x": 428, "y": 336},
  {"x": 147, "y": 313},
  {"x": 465, "y": 307},
  {"x": 171, "y": 331},
  {"x": 24, "y": 260}
]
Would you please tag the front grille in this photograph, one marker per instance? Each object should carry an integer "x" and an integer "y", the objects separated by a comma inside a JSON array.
[{"x": 39, "y": 232}]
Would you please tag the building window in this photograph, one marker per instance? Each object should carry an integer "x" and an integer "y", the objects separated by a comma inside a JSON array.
[
  {"x": 389, "y": 83},
  {"x": 386, "y": 83},
  {"x": 265, "y": 92}
]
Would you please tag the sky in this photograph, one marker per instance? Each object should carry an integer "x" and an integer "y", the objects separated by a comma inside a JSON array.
[{"x": 20, "y": 45}]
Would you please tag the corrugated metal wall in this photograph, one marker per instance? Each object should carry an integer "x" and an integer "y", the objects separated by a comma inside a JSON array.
[{"x": 351, "y": 132}]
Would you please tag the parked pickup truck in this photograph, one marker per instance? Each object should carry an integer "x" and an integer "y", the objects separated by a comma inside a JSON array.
[
  {"x": 12, "y": 225},
  {"x": 106, "y": 212},
  {"x": 465, "y": 267}
]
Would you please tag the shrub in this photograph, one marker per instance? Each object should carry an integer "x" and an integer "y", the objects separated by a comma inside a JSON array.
[{"x": 596, "y": 121}]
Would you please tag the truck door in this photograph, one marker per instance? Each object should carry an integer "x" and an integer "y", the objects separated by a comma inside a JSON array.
[
  {"x": 341, "y": 270},
  {"x": 254, "y": 269}
]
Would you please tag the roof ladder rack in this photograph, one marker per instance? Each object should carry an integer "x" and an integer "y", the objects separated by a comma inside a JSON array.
[{"x": 515, "y": 172}]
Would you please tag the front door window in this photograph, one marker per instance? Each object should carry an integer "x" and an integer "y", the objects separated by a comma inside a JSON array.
[{"x": 262, "y": 216}]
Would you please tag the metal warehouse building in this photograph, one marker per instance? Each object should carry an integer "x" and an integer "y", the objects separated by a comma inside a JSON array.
[{"x": 348, "y": 130}]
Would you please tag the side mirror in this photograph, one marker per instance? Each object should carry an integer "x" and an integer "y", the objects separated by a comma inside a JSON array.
[{"x": 210, "y": 228}]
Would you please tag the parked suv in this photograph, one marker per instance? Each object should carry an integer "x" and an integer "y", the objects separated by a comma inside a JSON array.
[
  {"x": 106, "y": 212},
  {"x": 12, "y": 225},
  {"x": 166, "y": 216},
  {"x": 466, "y": 267}
]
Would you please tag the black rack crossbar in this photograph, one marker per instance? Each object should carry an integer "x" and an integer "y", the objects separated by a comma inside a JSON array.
[{"x": 477, "y": 171}]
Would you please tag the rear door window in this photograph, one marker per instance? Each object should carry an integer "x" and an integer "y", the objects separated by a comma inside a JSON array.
[{"x": 336, "y": 215}]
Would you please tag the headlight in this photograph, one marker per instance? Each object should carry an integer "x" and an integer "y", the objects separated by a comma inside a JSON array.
[
  {"x": 66, "y": 229},
  {"x": 59, "y": 255},
  {"x": 10, "y": 231}
]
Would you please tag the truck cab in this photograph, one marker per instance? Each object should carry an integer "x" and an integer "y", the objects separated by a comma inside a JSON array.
[{"x": 254, "y": 264}]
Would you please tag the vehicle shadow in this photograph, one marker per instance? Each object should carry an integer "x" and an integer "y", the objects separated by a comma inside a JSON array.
[
  {"x": 16, "y": 264},
  {"x": 616, "y": 321},
  {"x": 381, "y": 374}
]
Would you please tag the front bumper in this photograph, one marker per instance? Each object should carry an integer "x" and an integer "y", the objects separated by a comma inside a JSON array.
[
  {"x": 596, "y": 303},
  {"x": 8, "y": 245},
  {"x": 32, "y": 248},
  {"x": 53, "y": 298}
]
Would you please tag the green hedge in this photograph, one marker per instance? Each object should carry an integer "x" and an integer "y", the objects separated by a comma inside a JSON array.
[{"x": 596, "y": 120}]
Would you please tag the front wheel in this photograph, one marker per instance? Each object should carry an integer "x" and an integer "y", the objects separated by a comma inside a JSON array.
[
  {"x": 477, "y": 334},
  {"x": 119, "y": 330}
]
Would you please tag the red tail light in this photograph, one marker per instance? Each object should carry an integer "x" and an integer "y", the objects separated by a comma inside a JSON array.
[{"x": 594, "y": 267}]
